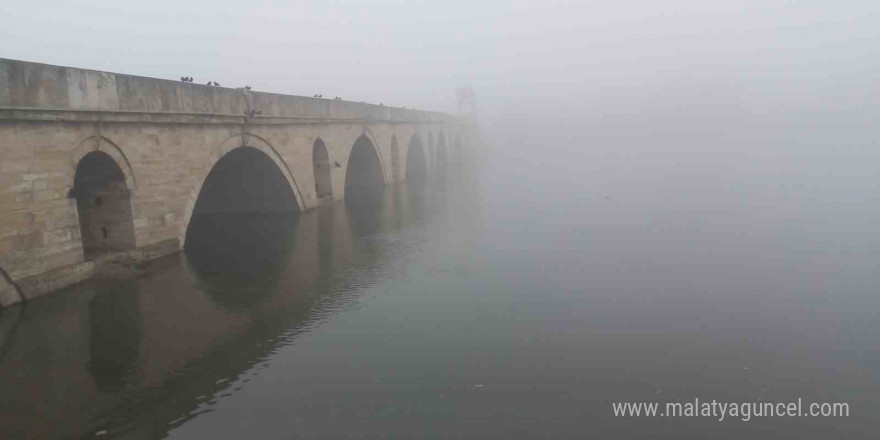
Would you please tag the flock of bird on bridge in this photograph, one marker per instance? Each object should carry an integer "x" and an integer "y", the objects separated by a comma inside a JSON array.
[{"x": 189, "y": 79}]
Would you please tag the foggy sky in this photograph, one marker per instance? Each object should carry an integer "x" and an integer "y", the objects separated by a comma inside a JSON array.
[
  {"x": 583, "y": 56},
  {"x": 601, "y": 94},
  {"x": 693, "y": 111}
]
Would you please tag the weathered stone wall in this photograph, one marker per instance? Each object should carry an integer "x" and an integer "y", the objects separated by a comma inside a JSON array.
[
  {"x": 105, "y": 220},
  {"x": 165, "y": 136},
  {"x": 34, "y": 85}
]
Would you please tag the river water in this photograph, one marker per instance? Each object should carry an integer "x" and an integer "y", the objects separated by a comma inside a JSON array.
[{"x": 498, "y": 303}]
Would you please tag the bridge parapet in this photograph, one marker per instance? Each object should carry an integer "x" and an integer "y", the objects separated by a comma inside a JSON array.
[{"x": 28, "y": 87}]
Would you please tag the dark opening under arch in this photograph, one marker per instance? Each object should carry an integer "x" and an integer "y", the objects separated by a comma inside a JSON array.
[
  {"x": 103, "y": 204},
  {"x": 240, "y": 232},
  {"x": 321, "y": 168},
  {"x": 244, "y": 181},
  {"x": 416, "y": 166},
  {"x": 364, "y": 171}
]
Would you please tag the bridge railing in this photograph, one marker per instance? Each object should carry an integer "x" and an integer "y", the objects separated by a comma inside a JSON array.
[{"x": 34, "y": 86}]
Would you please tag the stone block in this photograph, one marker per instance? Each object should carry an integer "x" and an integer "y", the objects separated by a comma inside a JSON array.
[
  {"x": 58, "y": 236},
  {"x": 24, "y": 242}
]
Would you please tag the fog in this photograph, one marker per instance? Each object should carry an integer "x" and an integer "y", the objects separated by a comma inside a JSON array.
[
  {"x": 750, "y": 95},
  {"x": 675, "y": 199},
  {"x": 631, "y": 97}
]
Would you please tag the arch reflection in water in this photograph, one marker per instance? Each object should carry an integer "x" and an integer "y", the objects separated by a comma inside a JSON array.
[
  {"x": 241, "y": 232},
  {"x": 143, "y": 356},
  {"x": 238, "y": 257},
  {"x": 114, "y": 335}
]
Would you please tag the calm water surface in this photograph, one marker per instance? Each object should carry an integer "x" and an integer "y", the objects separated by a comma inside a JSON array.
[{"x": 492, "y": 305}]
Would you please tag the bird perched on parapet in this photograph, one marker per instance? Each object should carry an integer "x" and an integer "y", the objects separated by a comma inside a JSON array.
[
  {"x": 247, "y": 87},
  {"x": 381, "y": 103},
  {"x": 337, "y": 164},
  {"x": 216, "y": 84},
  {"x": 315, "y": 95},
  {"x": 183, "y": 78},
  {"x": 209, "y": 83},
  {"x": 190, "y": 79}
]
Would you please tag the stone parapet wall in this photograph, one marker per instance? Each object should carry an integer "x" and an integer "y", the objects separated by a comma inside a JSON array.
[{"x": 25, "y": 85}]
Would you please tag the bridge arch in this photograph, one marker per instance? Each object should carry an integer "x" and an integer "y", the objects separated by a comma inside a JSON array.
[
  {"x": 364, "y": 168},
  {"x": 252, "y": 145},
  {"x": 321, "y": 170},
  {"x": 108, "y": 147},
  {"x": 416, "y": 161},
  {"x": 103, "y": 203}
]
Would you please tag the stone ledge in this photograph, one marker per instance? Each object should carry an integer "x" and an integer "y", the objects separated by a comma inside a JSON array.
[
  {"x": 111, "y": 116},
  {"x": 50, "y": 281}
]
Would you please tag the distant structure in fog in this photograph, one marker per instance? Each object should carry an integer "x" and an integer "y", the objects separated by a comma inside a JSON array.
[{"x": 466, "y": 99}]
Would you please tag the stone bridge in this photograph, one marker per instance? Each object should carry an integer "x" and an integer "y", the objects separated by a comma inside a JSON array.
[{"x": 97, "y": 165}]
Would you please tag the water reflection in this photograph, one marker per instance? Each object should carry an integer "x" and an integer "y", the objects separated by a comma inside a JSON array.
[
  {"x": 9, "y": 319},
  {"x": 141, "y": 356},
  {"x": 509, "y": 310},
  {"x": 115, "y": 335},
  {"x": 239, "y": 257}
]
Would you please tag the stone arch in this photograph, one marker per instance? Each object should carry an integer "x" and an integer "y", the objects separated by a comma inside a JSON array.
[
  {"x": 322, "y": 171},
  {"x": 103, "y": 204},
  {"x": 395, "y": 159},
  {"x": 106, "y": 146},
  {"x": 232, "y": 143},
  {"x": 9, "y": 291},
  {"x": 375, "y": 143},
  {"x": 366, "y": 133},
  {"x": 416, "y": 160},
  {"x": 364, "y": 168}
]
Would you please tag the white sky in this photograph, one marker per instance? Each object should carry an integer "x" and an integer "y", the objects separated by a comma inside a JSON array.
[{"x": 545, "y": 54}]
